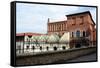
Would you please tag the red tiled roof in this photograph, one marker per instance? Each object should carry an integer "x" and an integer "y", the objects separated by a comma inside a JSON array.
[
  {"x": 20, "y": 34},
  {"x": 29, "y": 34}
]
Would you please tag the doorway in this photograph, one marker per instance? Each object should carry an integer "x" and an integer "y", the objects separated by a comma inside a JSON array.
[{"x": 77, "y": 45}]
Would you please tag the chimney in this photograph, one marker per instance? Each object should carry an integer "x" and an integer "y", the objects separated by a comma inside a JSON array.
[{"x": 48, "y": 20}]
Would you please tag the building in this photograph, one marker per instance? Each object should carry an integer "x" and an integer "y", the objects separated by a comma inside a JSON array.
[
  {"x": 23, "y": 42},
  {"x": 36, "y": 43},
  {"x": 79, "y": 25},
  {"x": 78, "y": 30}
]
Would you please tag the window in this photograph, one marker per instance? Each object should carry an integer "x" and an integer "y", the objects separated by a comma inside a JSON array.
[
  {"x": 33, "y": 47},
  {"x": 72, "y": 34},
  {"x": 73, "y": 17},
  {"x": 78, "y": 34},
  {"x": 27, "y": 39},
  {"x": 63, "y": 47},
  {"x": 83, "y": 33},
  {"x": 27, "y": 47},
  {"x": 55, "y": 48},
  {"x": 81, "y": 21},
  {"x": 47, "y": 48},
  {"x": 73, "y": 21},
  {"x": 73, "y": 24},
  {"x": 40, "y": 48}
]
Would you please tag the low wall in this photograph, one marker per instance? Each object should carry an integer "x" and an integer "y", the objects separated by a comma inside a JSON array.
[{"x": 46, "y": 58}]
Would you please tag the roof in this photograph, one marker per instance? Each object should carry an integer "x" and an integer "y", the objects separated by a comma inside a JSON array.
[
  {"x": 29, "y": 34},
  {"x": 53, "y": 38},
  {"x": 20, "y": 34},
  {"x": 86, "y": 12},
  {"x": 65, "y": 38}
]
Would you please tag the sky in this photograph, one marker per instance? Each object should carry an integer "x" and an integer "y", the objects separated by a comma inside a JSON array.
[{"x": 33, "y": 17}]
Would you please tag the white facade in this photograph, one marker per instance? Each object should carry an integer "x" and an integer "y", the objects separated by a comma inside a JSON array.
[{"x": 43, "y": 43}]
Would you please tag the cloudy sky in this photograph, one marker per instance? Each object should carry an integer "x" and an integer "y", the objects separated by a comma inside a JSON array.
[{"x": 33, "y": 17}]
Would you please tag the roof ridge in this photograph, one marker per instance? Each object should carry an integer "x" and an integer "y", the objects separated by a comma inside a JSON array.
[{"x": 77, "y": 13}]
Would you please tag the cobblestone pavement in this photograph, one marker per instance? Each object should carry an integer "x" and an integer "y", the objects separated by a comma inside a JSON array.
[{"x": 89, "y": 57}]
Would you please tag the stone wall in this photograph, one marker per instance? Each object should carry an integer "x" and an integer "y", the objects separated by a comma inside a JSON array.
[{"x": 46, "y": 58}]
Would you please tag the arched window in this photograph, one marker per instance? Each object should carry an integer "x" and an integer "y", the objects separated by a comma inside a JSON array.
[
  {"x": 40, "y": 48},
  {"x": 27, "y": 47},
  {"x": 55, "y": 48},
  {"x": 78, "y": 34},
  {"x": 83, "y": 33},
  {"x": 47, "y": 48},
  {"x": 72, "y": 34},
  {"x": 33, "y": 47},
  {"x": 63, "y": 47}
]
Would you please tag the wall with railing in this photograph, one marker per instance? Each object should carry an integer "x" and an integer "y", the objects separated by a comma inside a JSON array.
[{"x": 43, "y": 43}]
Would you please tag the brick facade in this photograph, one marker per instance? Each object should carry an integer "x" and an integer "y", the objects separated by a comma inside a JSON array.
[
  {"x": 79, "y": 24},
  {"x": 78, "y": 28}
]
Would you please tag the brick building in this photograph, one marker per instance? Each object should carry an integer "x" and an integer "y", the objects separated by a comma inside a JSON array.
[
  {"x": 80, "y": 25},
  {"x": 78, "y": 30}
]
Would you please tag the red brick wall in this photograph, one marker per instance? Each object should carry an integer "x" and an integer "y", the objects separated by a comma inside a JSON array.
[{"x": 82, "y": 22}]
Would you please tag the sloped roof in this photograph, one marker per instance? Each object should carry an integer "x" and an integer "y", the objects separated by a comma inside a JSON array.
[
  {"x": 43, "y": 38},
  {"x": 33, "y": 38},
  {"x": 65, "y": 37},
  {"x": 29, "y": 34},
  {"x": 86, "y": 12},
  {"x": 53, "y": 38}
]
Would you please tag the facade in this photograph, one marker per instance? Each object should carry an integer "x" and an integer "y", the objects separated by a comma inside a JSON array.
[
  {"x": 78, "y": 30},
  {"x": 37, "y": 43},
  {"x": 79, "y": 25}
]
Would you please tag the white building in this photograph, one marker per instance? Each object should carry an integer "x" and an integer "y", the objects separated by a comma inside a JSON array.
[{"x": 37, "y": 43}]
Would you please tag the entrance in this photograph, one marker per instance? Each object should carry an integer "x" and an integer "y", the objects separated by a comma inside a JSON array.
[{"x": 77, "y": 45}]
